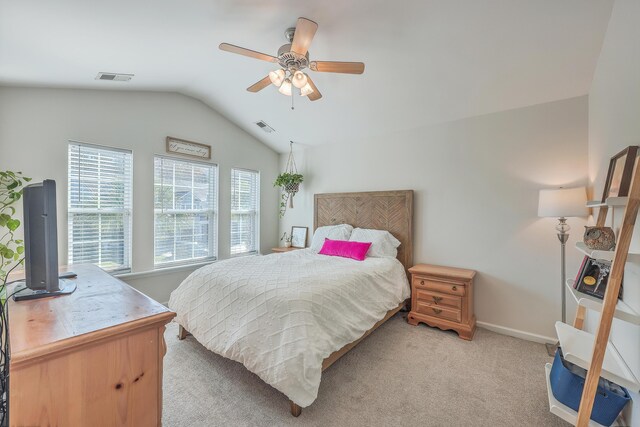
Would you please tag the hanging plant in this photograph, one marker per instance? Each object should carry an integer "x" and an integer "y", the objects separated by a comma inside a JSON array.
[{"x": 289, "y": 181}]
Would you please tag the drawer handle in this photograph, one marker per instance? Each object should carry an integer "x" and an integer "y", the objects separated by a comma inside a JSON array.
[
  {"x": 422, "y": 282},
  {"x": 437, "y": 299},
  {"x": 454, "y": 288},
  {"x": 436, "y": 310}
]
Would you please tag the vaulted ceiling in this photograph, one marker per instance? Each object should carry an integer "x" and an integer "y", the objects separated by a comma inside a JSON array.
[{"x": 427, "y": 61}]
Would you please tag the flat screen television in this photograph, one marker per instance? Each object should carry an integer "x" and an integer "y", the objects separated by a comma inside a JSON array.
[{"x": 41, "y": 244}]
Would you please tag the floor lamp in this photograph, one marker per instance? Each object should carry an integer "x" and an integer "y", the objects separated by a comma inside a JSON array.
[{"x": 562, "y": 203}]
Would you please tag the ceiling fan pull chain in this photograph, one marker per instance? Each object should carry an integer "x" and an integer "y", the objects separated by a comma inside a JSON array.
[{"x": 292, "y": 96}]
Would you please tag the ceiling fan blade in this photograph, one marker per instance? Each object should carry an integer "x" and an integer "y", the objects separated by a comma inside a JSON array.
[
  {"x": 305, "y": 30},
  {"x": 247, "y": 52},
  {"x": 257, "y": 87},
  {"x": 315, "y": 95},
  {"x": 337, "y": 67}
]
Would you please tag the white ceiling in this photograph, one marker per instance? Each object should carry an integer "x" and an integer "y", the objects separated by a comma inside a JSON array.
[{"x": 426, "y": 61}]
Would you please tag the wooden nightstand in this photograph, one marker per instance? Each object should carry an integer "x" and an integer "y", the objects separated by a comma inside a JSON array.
[
  {"x": 283, "y": 249},
  {"x": 443, "y": 297}
]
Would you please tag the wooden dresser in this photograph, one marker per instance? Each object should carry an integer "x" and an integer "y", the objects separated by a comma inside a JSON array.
[
  {"x": 443, "y": 297},
  {"x": 92, "y": 358}
]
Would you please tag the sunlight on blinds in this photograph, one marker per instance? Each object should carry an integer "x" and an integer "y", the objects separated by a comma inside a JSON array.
[
  {"x": 245, "y": 211},
  {"x": 185, "y": 205},
  {"x": 99, "y": 195}
]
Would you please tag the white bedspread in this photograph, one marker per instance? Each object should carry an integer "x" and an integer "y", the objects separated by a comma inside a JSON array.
[{"x": 281, "y": 315}]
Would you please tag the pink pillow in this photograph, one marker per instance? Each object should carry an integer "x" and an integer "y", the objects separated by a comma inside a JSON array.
[{"x": 345, "y": 249}]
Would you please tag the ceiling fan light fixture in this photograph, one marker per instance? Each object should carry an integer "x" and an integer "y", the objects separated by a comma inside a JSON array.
[
  {"x": 306, "y": 90},
  {"x": 285, "y": 87},
  {"x": 277, "y": 77},
  {"x": 299, "y": 79}
]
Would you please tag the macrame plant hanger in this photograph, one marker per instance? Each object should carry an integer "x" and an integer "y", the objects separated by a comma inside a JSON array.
[{"x": 291, "y": 168}]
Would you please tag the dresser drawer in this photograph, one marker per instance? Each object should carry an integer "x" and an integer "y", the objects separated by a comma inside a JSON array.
[
  {"x": 437, "y": 286},
  {"x": 439, "y": 311},
  {"x": 436, "y": 298}
]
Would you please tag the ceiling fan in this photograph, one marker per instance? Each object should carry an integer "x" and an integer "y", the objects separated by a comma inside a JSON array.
[{"x": 293, "y": 58}]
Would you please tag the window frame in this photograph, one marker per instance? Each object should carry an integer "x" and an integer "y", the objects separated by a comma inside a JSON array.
[
  {"x": 214, "y": 217},
  {"x": 126, "y": 212},
  {"x": 256, "y": 251}
]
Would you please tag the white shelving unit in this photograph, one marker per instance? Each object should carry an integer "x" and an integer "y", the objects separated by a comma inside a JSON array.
[
  {"x": 594, "y": 353},
  {"x": 611, "y": 201},
  {"x": 577, "y": 348},
  {"x": 560, "y": 409},
  {"x": 623, "y": 311},
  {"x": 604, "y": 255}
]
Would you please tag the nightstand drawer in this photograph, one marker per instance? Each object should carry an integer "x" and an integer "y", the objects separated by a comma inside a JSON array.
[
  {"x": 439, "y": 311},
  {"x": 436, "y": 298},
  {"x": 444, "y": 287}
]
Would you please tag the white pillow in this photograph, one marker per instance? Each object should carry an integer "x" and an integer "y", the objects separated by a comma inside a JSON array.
[
  {"x": 383, "y": 244},
  {"x": 333, "y": 232}
]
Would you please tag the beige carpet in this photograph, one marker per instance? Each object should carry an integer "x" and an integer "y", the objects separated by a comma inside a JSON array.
[{"x": 400, "y": 375}]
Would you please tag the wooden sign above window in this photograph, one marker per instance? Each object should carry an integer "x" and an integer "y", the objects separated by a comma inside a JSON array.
[{"x": 188, "y": 148}]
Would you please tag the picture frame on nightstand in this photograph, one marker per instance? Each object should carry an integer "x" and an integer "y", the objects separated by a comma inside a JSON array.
[{"x": 299, "y": 236}]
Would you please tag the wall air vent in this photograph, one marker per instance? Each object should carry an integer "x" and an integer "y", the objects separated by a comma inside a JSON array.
[
  {"x": 265, "y": 127},
  {"x": 114, "y": 77}
]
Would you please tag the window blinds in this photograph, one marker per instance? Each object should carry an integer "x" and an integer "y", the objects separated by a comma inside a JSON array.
[
  {"x": 245, "y": 210},
  {"x": 185, "y": 205},
  {"x": 99, "y": 206}
]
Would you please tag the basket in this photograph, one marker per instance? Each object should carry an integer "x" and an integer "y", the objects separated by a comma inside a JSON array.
[
  {"x": 567, "y": 382},
  {"x": 291, "y": 188}
]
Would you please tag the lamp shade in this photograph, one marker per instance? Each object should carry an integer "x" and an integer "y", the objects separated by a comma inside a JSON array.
[
  {"x": 285, "y": 87},
  {"x": 563, "y": 202}
]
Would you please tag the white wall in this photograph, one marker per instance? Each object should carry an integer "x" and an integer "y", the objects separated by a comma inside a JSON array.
[
  {"x": 35, "y": 125},
  {"x": 614, "y": 123},
  {"x": 476, "y": 185}
]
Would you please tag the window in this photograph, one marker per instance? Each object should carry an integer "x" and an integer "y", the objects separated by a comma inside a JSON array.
[
  {"x": 245, "y": 211},
  {"x": 186, "y": 204},
  {"x": 100, "y": 206}
]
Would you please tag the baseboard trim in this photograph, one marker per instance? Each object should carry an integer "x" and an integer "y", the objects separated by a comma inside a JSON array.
[{"x": 517, "y": 333}]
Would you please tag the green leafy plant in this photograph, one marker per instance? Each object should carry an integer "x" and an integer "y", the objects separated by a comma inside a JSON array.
[
  {"x": 290, "y": 183},
  {"x": 11, "y": 249},
  {"x": 286, "y": 179}
]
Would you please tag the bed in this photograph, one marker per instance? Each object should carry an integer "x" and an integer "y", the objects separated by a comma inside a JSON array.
[{"x": 287, "y": 317}]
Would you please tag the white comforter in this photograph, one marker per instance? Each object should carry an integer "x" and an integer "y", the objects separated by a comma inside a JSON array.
[{"x": 280, "y": 315}]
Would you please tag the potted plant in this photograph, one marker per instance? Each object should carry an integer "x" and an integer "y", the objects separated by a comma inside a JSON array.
[
  {"x": 287, "y": 240},
  {"x": 290, "y": 184},
  {"x": 11, "y": 256},
  {"x": 11, "y": 249}
]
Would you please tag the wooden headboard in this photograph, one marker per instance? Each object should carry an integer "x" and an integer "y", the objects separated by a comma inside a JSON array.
[{"x": 380, "y": 210}]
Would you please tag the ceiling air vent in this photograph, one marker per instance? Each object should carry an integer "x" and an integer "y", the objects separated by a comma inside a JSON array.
[
  {"x": 114, "y": 77},
  {"x": 265, "y": 127}
]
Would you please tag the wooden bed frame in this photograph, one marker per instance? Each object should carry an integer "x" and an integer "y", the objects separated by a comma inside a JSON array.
[{"x": 382, "y": 210}]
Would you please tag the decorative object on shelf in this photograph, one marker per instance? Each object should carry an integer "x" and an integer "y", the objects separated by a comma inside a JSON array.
[
  {"x": 289, "y": 181},
  {"x": 11, "y": 256},
  {"x": 599, "y": 238},
  {"x": 593, "y": 277},
  {"x": 582, "y": 266},
  {"x": 286, "y": 239},
  {"x": 188, "y": 148},
  {"x": 562, "y": 203},
  {"x": 621, "y": 168},
  {"x": 293, "y": 58},
  {"x": 567, "y": 382},
  {"x": 299, "y": 236}
]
